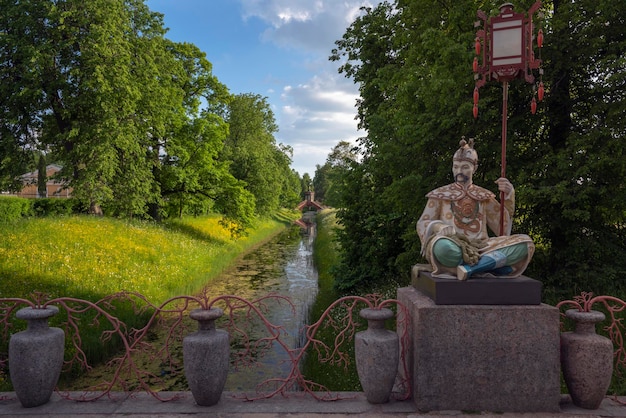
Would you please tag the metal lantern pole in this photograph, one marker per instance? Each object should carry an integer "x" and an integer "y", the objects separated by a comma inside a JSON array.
[{"x": 505, "y": 96}]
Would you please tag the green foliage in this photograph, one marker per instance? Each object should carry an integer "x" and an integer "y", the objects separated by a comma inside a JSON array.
[
  {"x": 319, "y": 182},
  {"x": 306, "y": 184},
  {"x": 42, "y": 177},
  {"x": 400, "y": 84},
  {"x": 573, "y": 176},
  {"x": 140, "y": 140},
  {"x": 55, "y": 207},
  {"x": 254, "y": 157},
  {"x": 238, "y": 204},
  {"x": 189, "y": 174},
  {"x": 289, "y": 180},
  {"x": 325, "y": 257},
  {"x": 412, "y": 62},
  {"x": 14, "y": 208},
  {"x": 329, "y": 179}
]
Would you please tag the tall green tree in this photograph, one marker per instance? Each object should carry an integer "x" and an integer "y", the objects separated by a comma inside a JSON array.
[
  {"x": 255, "y": 157},
  {"x": 42, "y": 176},
  {"x": 188, "y": 139},
  {"x": 135, "y": 119},
  {"x": 306, "y": 184},
  {"x": 401, "y": 56},
  {"x": 573, "y": 170},
  {"x": 321, "y": 182},
  {"x": 330, "y": 179},
  {"x": 412, "y": 63},
  {"x": 290, "y": 188},
  {"x": 20, "y": 115},
  {"x": 74, "y": 61}
]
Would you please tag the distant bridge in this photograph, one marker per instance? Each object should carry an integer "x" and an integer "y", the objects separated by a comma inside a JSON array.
[{"x": 310, "y": 203}]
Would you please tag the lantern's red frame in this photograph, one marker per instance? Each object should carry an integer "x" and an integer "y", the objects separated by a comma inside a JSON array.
[{"x": 507, "y": 39}]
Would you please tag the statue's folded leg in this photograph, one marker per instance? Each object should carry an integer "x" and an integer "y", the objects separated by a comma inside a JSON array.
[
  {"x": 516, "y": 253},
  {"x": 498, "y": 262},
  {"x": 447, "y": 252}
]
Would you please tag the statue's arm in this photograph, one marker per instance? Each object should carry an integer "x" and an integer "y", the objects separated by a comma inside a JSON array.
[
  {"x": 505, "y": 186},
  {"x": 493, "y": 208},
  {"x": 430, "y": 222}
]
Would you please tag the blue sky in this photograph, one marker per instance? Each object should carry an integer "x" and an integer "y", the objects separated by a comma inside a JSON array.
[{"x": 278, "y": 49}]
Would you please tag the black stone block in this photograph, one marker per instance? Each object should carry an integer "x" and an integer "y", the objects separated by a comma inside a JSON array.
[{"x": 477, "y": 290}]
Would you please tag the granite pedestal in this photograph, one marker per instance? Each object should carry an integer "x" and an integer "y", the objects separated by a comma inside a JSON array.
[{"x": 499, "y": 358}]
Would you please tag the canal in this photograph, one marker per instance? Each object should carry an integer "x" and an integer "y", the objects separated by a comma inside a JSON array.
[{"x": 283, "y": 266}]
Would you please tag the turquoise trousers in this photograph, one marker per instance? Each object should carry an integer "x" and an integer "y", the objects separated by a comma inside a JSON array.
[{"x": 449, "y": 254}]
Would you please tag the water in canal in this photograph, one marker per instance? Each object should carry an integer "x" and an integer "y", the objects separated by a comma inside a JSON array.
[{"x": 283, "y": 266}]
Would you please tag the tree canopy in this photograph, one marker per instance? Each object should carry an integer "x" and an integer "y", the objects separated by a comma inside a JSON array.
[
  {"x": 412, "y": 63},
  {"x": 137, "y": 121},
  {"x": 330, "y": 178},
  {"x": 255, "y": 158}
]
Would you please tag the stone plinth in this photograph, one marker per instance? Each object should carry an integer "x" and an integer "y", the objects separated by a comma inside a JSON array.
[
  {"x": 476, "y": 291},
  {"x": 499, "y": 358}
]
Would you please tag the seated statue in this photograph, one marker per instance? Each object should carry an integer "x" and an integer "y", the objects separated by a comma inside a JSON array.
[{"x": 453, "y": 226}]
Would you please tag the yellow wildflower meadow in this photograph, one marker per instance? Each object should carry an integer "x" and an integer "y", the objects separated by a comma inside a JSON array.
[{"x": 90, "y": 257}]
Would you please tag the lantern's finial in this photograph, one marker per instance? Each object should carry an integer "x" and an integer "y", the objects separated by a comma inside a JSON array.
[{"x": 506, "y": 7}]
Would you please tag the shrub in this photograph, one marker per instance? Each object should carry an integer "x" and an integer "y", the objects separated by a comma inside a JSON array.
[
  {"x": 55, "y": 206},
  {"x": 13, "y": 208}
]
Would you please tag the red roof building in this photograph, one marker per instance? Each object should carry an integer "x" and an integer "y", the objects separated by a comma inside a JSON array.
[{"x": 54, "y": 187}]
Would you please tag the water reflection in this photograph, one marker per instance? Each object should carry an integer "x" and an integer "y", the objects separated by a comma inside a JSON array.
[{"x": 283, "y": 266}]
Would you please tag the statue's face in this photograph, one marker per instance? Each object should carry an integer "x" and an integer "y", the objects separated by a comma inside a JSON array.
[{"x": 462, "y": 172}]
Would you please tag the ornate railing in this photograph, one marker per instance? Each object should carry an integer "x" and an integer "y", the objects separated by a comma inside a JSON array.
[
  {"x": 250, "y": 332},
  {"x": 172, "y": 318}
]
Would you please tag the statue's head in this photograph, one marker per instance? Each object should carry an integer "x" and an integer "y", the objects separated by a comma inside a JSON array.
[{"x": 464, "y": 162}]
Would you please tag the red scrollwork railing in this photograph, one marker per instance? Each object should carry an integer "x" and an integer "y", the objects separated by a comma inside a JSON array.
[{"x": 126, "y": 374}]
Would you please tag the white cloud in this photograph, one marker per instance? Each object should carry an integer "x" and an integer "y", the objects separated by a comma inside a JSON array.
[
  {"x": 318, "y": 111},
  {"x": 279, "y": 12},
  {"x": 313, "y": 25},
  {"x": 315, "y": 116}
]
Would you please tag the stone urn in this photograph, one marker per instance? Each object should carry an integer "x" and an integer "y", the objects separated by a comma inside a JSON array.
[
  {"x": 36, "y": 356},
  {"x": 205, "y": 356},
  {"x": 377, "y": 354},
  {"x": 586, "y": 360}
]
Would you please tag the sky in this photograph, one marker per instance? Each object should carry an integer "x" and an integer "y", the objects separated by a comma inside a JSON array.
[{"x": 278, "y": 49}]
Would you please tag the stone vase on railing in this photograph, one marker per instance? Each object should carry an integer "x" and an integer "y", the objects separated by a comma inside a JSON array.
[
  {"x": 36, "y": 357},
  {"x": 377, "y": 355},
  {"x": 205, "y": 357},
  {"x": 586, "y": 360}
]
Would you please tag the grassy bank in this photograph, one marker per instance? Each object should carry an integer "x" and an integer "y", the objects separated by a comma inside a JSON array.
[
  {"x": 88, "y": 257},
  {"x": 325, "y": 257}
]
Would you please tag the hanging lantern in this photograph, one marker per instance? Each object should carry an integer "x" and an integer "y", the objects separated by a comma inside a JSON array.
[
  {"x": 476, "y": 96},
  {"x": 475, "y": 111},
  {"x": 475, "y": 65},
  {"x": 477, "y": 45},
  {"x": 533, "y": 106},
  {"x": 540, "y": 91},
  {"x": 540, "y": 38}
]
